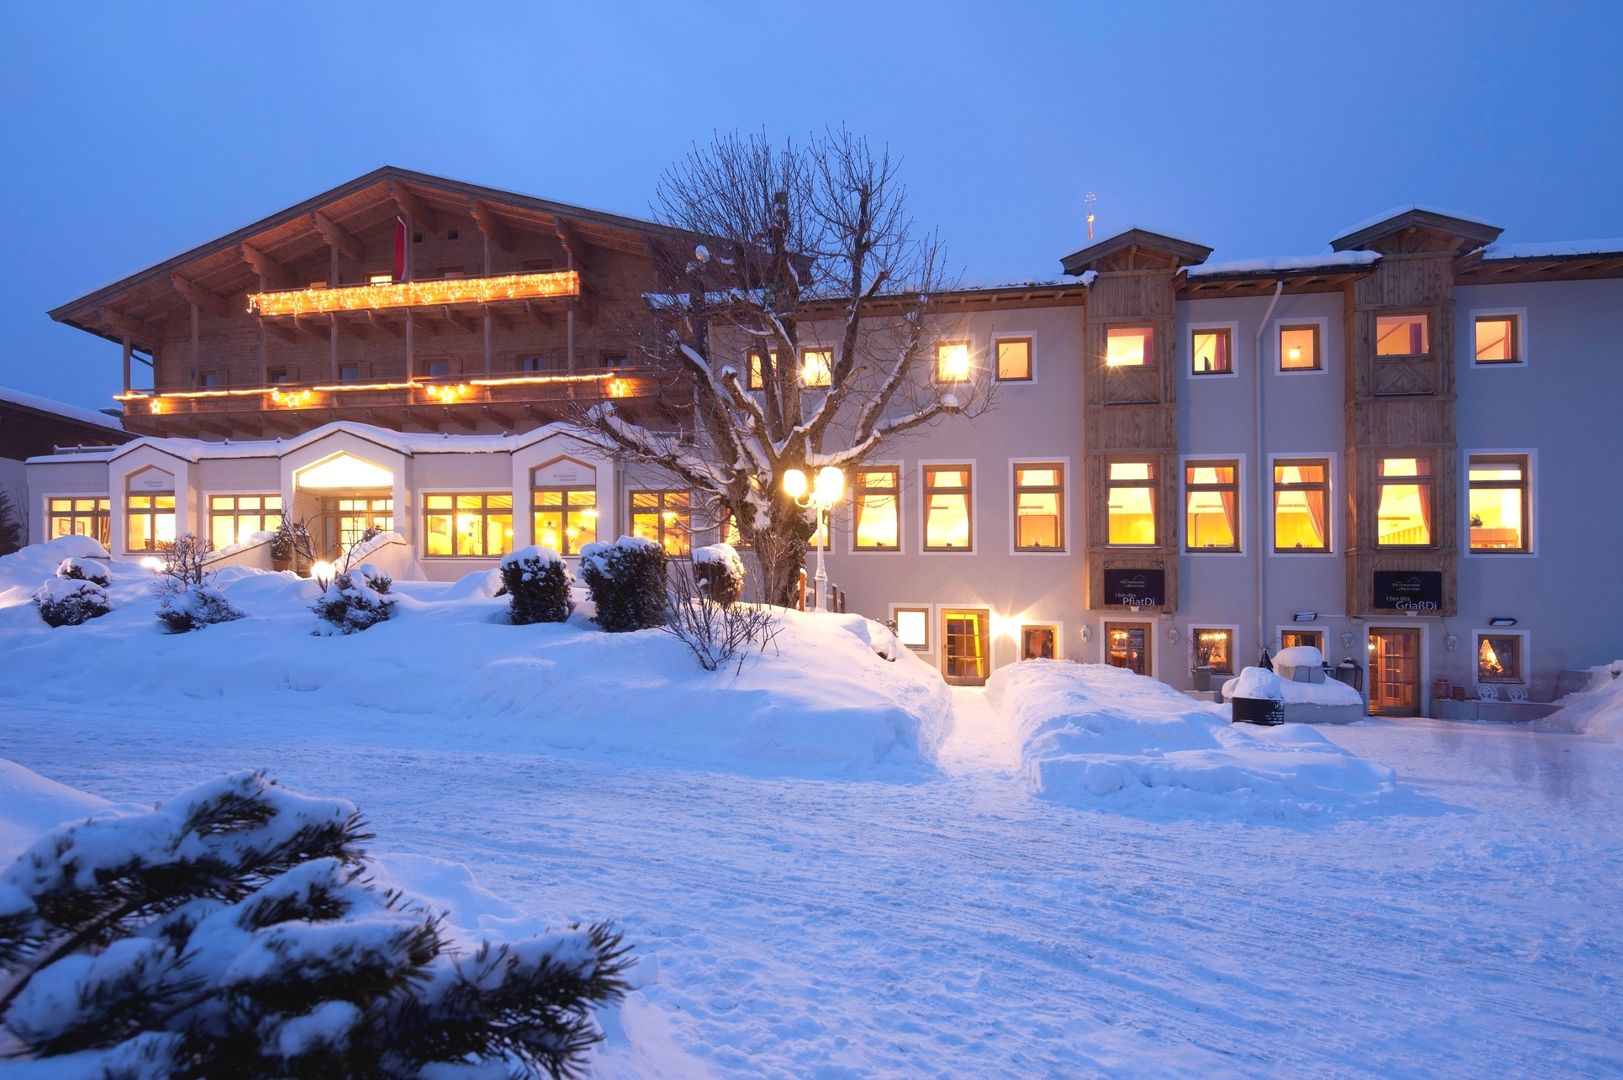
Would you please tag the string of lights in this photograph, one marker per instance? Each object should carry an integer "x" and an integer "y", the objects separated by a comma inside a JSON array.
[{"x": 405, "y": 294}]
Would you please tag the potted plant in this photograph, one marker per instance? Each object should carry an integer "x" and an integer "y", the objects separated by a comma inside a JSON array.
[
  {"x": 1202, "y": 672},
  {"x": 281, "y": 548}
]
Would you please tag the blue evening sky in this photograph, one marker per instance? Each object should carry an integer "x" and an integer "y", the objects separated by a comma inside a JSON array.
[{"x": 131, "y": 133}]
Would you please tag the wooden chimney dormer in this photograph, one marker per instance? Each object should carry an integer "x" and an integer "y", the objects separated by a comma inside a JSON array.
[
  {"x": 1400, "y": 401},
  {"x": 1129, "y": 406}
]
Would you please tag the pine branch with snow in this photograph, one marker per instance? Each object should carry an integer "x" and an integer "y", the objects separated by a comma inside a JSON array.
[{"x": 233, "y": 931}]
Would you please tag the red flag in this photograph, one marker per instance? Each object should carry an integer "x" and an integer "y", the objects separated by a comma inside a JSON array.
[{"x": 400, "y": 249}]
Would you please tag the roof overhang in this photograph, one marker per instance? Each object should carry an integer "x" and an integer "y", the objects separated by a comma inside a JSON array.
[
  {"x": 1418, "y": 229},
  {"x": 1136, "y": 249}
]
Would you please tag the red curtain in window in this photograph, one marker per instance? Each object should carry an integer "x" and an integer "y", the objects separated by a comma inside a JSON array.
[
  {"x": 1231, "y": 499},
  {"x": 1315, "y": 511}
]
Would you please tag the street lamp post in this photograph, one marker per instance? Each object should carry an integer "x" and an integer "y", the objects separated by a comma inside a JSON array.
[{"x": 823, "y": 494}]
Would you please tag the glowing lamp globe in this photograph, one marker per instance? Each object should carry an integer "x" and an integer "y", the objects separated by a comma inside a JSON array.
[
  {"x": 830, "y": 485},
  {"x": 794, "y": 484}
]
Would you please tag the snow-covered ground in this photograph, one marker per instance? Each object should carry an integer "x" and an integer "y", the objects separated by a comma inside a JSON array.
[{"x": 925, "y": 917}]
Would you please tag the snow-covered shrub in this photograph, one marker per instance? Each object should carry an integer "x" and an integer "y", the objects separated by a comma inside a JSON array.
[
  {"x": 357, "y": 599},
  {"x": 536, "y": 582},
  {"x": 719, "y": 573},
  {"x": 187, "y": 598},
  {"x": 74, "y": 568},
  {"x": 233, "y": 931},
  {"x": 627, "y": 583},
  {"x": 716, "y": 632},
  {"x": 71, "y": 601},
  {"x": 11, "y": 525}
]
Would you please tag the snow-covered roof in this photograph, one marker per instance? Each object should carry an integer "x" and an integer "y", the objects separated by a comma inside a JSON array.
[
  {"x": 407, "y": 443},
  {"x": 1408, "y": 208},
  {"x": 1284, "y": 264},
  {"x": 59, "y": 408},
  {"x": 1554, "y": 249}
]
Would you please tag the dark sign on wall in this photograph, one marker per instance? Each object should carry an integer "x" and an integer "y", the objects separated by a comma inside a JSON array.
[
  {"x": 1135, "y": 588},
  {"x": 1409, "y": 590}
]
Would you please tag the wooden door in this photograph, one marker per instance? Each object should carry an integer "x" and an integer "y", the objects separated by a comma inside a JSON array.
[
  {"x": 965, "y": 645},
  {"x": 1394, "y": 672}
]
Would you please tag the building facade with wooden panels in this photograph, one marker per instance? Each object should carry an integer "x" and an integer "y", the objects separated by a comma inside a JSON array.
[{"x": 1387, "y": 451}]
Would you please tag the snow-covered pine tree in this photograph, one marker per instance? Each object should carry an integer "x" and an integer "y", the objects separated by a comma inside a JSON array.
[
  {"x": 11, "y": 526},
  {"x": 232, "y": 932}
]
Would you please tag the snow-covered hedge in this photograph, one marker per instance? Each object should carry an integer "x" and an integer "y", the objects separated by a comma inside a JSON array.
[
  {"x": 719, "y": 573},
  {"x": 75, "y": 568},
  {"x": 1094, "y": 735},
  {"x": 193, "y": 607},
  {"x": 71, "y": 601},
  {"x": 537, "y": 585},
  {"x": 356, "y": 599},
  {"x": 233, "y": 931},
  {"x": 627, "y": 583}
]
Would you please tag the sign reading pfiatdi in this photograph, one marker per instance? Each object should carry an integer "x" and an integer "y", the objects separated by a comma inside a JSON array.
[
  {"x": 1409, "y": 590},
  {"x": 1135, "y": 588}
]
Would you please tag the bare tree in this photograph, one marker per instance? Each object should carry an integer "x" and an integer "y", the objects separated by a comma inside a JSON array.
[{"x": 805, "y": 245}]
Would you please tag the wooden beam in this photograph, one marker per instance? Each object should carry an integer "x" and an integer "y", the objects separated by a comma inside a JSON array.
[
  {"x": 498, "y": 318},
  {"x": 280, "y": 328},
  {"x": 132, "y": 328},
  {"x": 373, "y": 319},
  {"x": 338, "y": 237},
  {"x": 456, "y": 318},
  {"x": 316, "y": 325},
  {"x": 491, "y": 227},
  {"x": 214, "y": 426},
  {"x": 574, "y": 247},
  {"x": 411, "y": 207},
  {"x": 274, "y": 273},
  {"x": 534, "y": 311},
  {"x": 195, "y": 294},
  {"x": 500, "y": 417},
  {"x": 461, "y": 416}
]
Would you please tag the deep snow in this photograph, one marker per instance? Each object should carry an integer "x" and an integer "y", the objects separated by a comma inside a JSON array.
[{"x": 920, "y": 915}]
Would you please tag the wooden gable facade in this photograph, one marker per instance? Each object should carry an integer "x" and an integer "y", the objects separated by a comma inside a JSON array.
[{"x": 483, "y": 356}]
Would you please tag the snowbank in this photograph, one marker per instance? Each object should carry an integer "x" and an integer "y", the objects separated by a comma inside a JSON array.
[
  {"x": 31, "y": 804},
  {"x": 1092, "y": 735},
  {"x": 823, "y": 704},
  {"x": 1595, "y": 710},
  {"x": 1273, "y": 688}
]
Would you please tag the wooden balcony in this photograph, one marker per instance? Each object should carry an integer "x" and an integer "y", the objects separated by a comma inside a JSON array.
[{"x": 469, "y": 403}]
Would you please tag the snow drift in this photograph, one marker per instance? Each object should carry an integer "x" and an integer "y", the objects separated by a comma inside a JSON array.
[
  {"x": 1092, "y": 735},
  {"x": 824, "y": 703},
  {"x": 1595, "y": 710}
]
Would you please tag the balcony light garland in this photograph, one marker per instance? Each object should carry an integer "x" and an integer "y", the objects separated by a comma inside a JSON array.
[
  {"x": 405, "y": 294},
  {"x": 439, "y": 393}
]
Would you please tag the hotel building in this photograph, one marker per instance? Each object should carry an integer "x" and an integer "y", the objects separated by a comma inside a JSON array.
[{"x": 1396, "y": 451}]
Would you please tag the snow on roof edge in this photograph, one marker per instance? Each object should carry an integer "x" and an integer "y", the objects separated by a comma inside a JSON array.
[
  {"x": 59, "y": 408},
  {"x": 1554, "y": 248},
  {"x": 1285, "y": 263},
  {"x": 1407, "y": 208}
]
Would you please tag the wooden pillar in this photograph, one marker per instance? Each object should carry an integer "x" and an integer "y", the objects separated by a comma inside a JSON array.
[
  {"x": 486, "y": 265},
  {"x": 411, "y": 359},
  {"x": 569, "y": 314},
  {"x": 332, "y": 332},
  {"x": 126, "y": 365},
  {"x": 196, "y": 346},
  {"x": 411, "y": 367},
  {"x": 264, "y": 349}
]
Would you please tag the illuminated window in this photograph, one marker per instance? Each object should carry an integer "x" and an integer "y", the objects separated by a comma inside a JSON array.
[
  {"x": 1292, "y": 639},
  {"x": 877, "y": 498},
  {"x": 665, "y": 517},
  {"x": 359, "y": 515},
  {"x": 1497, "y": 339},
  {"x": 1212, "y": 506},
  {"x": 468, "y": 525},
  {"x": 1299, "y": 348},
  {"x": 234, "y": 518},
  {"x": 1499, "y": 502},
  {"x": 1301, "y": 504},
  {"x": 81, "y": 516},
  {"x": 1402, "y": 335},
  {"x": 149, "y": 521},
  {"x": 1213, "y": 351},
  {"x": 816, "y": 367},
  {"x": 758, "y": 368},
  {"x": 377, "y": 279},
  {"x": 912, "y": 626},
  {"x": 952, "y": 361},
  {"x": 1499, "y": 658},
  {"x": 1039, "y": 507},
  {"x": 564, "y": 518},
  {"x": 1131, "y": 512},
  {"x": 948, "y": 520},
  {"x": 1013, "y": 359},
  {"x": 1404, "y": 512},
  {"x": 1039, "y": 641},
  {"x": 1128, "y": 645},
  {"x": 1214, "y": 648},
  {"x": 1129, "y": 346}
]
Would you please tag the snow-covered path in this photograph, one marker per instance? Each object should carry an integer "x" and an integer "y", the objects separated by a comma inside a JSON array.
[{"x": 959, "y": 927}]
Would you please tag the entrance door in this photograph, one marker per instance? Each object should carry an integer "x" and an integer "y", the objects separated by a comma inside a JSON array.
[
  {"x": 1394, "y": 672},
  {"x": 964, "y": 646},
  {"x": 349, "y": 517},
  {"x": 1127, "y": 645}
]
